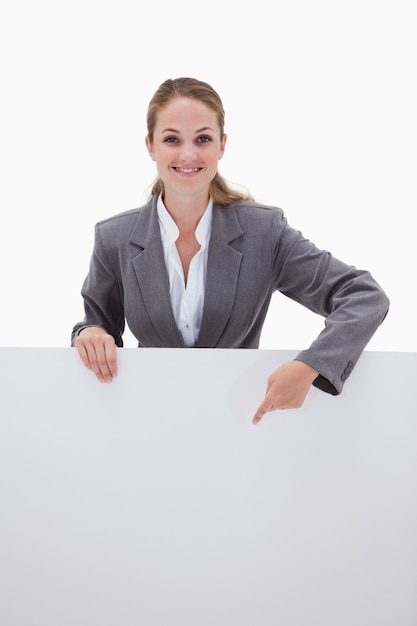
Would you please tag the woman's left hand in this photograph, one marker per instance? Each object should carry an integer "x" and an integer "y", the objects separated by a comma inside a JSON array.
[{"x": 287, "y": 388}]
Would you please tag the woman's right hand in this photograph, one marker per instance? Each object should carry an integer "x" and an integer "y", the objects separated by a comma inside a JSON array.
[{"x": 97, "y": 350}]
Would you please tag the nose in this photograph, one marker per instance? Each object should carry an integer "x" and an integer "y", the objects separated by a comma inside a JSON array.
[{"x": 188, "y": 152}]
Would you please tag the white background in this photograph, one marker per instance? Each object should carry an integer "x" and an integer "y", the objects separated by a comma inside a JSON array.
[{"x": 320, "y": 102}]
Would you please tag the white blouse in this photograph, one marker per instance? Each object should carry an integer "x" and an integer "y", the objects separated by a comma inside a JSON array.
[{"x": 187, "y": 301}]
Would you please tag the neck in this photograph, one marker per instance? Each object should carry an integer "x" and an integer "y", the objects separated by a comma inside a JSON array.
[{"x": 186, "y": 211}]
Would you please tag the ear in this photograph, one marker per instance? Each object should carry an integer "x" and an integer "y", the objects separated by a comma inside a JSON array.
[
  {"x": 149, "y": 147},
  {"x": 223, "y": 146}
]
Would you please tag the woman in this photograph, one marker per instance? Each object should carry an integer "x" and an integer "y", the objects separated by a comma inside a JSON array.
[{"x": 198, "y": 264}]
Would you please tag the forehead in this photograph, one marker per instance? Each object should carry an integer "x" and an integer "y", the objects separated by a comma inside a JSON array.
[{"x": 183, "y": 113}]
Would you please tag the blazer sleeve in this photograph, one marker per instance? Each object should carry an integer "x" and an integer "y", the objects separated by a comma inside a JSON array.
[
  {"x": 351, "y": 301},
  {"x": 102, "y": 292}
]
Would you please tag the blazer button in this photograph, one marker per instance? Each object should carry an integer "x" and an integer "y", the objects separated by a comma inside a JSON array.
[{"x": 347, "y": 371}]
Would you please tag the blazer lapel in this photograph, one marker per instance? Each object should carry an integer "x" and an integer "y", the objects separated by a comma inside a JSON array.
[
  {"x": 222, "y": 275},
  {"x": 152, "y": 276}
]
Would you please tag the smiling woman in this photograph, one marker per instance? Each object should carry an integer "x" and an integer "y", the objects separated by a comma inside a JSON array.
[
  {"x": 186, "y": 143},
  {"x": 198, "y": 264}
]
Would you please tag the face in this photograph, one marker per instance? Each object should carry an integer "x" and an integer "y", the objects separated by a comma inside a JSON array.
[{"x": 186, "y": 147}]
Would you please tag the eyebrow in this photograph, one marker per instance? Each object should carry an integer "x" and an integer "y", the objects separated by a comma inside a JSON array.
[{"x": 200, "y": 130}]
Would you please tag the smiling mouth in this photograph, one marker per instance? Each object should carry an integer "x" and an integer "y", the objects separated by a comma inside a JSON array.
[{"x": 187, "y": 170}]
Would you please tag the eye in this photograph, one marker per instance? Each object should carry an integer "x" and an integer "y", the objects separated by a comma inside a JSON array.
[
  {"x": 170, "y": 140},
  {"x": 204, "y": 139}
]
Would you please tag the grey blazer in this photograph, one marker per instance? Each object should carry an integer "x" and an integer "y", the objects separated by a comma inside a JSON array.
[{"x": 253, "y": 252}]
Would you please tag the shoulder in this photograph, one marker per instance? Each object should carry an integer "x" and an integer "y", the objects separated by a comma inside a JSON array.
[
  {"x": 250, "y": 221},
  {"x": 132, "y": 225},
  {"x": 256, "y": 217},
  {"x": 249, "y": 212},
  {"x": 125, "y": 219},
  {"x": 256, "y": 208}
]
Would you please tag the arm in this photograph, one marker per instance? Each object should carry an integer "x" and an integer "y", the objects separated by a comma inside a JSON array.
[
  {"x": 97, "y": 336},
  {"x": 350, "y": 300}
]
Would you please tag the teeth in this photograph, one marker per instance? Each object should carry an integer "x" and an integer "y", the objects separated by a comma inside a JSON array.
[{"x": 187, "y": 170}]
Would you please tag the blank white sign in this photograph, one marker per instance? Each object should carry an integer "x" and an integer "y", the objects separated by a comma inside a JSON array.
[{"x": 154, "y": 501}]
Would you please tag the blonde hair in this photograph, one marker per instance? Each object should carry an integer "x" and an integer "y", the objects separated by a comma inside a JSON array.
[{"x": 220, "y": 190}]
